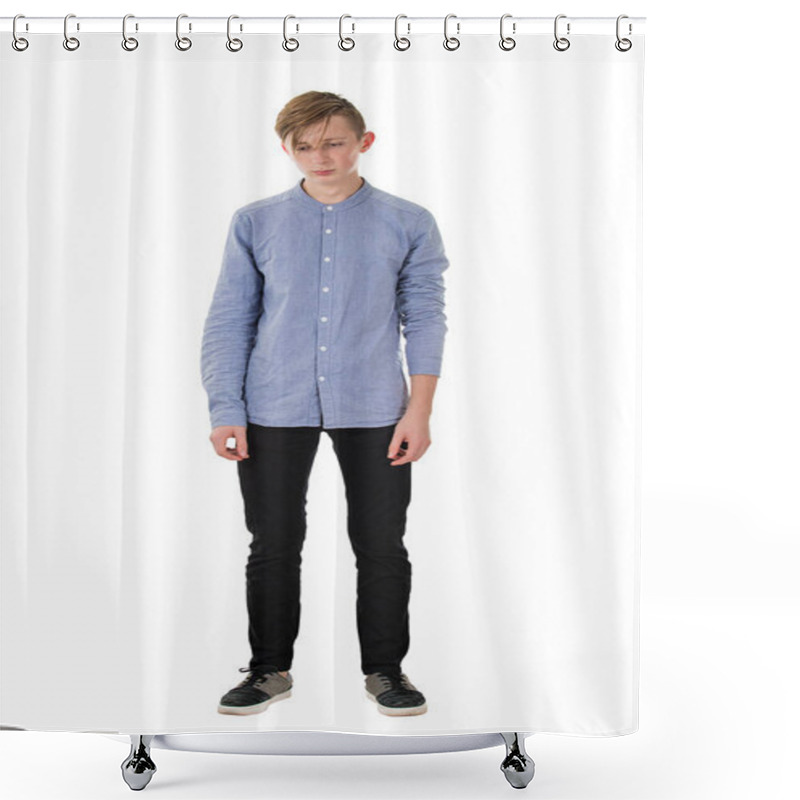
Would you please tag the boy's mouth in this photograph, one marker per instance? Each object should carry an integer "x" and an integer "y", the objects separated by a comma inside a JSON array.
[{"x": 322, "y": 171}]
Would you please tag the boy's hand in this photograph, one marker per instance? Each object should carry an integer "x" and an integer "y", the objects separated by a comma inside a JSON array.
[
  {"x": 219, "y": 438},
  {"x": 413, "y": 428}
]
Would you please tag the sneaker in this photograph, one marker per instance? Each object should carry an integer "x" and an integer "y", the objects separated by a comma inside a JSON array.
[
  {"x": 394, "y": 694},
  {"x": 260, "y": 688}
]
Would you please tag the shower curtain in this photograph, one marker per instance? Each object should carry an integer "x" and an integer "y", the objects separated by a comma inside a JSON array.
[{"x": 124, "y": 534}]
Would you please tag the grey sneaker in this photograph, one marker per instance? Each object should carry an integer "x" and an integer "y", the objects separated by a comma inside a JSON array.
[
  {"x": 394, "y": 694},
  {"x": 260, "y": 688}
]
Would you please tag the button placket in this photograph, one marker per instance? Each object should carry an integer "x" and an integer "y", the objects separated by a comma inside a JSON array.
[{"x": 325, "y": 303}]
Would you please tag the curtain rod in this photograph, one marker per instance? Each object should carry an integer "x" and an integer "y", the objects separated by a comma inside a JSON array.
[{"x": 327, "y": 25}]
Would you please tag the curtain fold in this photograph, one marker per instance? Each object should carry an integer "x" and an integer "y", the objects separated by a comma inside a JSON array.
[{"x": 123, "y": 536}]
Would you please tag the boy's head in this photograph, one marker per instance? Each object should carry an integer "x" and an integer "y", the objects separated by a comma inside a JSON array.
[{"x": 325, "y": 135}]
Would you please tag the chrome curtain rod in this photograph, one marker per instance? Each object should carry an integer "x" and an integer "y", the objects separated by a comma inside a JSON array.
[
  {"x": 450, "y": 27},
  {"x": 307, "y": 25}
]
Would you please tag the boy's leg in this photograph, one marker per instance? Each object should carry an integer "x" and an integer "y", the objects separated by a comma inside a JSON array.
[
  {"x": 274, "y": 482},
  {"x": 378, "y": 496}
]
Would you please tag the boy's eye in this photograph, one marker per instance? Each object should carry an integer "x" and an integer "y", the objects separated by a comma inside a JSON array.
[{"x": 302, "y": 148}]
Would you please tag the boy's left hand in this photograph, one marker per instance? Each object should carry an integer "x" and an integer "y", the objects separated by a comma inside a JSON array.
[{"x": 414, "y": 429}]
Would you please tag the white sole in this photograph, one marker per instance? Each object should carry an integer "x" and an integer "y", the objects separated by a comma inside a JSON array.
[
  {"x": 398, "y": 712},
  {"x": 255, "y": 709}
]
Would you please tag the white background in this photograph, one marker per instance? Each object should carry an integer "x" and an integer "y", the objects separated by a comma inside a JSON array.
[{"x": 720, "y": 528}]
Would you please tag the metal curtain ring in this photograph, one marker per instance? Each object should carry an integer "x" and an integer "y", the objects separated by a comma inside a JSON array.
[
  {"x": 70, "y": 42},
  {"x": 451, "y": 42},
  {"x": 18, "y": 42},
  {"x": 128, "y": 42},
  {"x": 234, "y": 45},
  {"x": 623, "y": 45},
  {"x": 181, "y": 42},
  {"x": 506, "y": 42},
  {"x": 560, "y": 40},
  {"x": 285, "y": 42},
  {"x": 352, "y": 44},
  {"x": 397, "y": 38}
]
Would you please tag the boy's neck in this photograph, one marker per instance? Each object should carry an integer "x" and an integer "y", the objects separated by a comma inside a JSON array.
[{"x": 333, "y": 194}]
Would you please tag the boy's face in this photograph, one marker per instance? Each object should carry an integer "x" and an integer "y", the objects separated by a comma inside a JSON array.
[{"x": 329, "y": 158}]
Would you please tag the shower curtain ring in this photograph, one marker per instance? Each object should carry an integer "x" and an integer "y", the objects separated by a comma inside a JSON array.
[
  {"x": 18, "y": 42},
  {"x": 285, "y": 42},
  {"x": 451, "y": 42},
  {"x": 506, "y": 42},
  {"x": 182, "y": 42},
  {"x": 128, "y": 42},
  {"x": 352, "y": 43},
  {"x": 70, "y": 42},
  {"x": 560, "y": 40},
  {"x": 398, "y": 38},
  {"x": 234, "y": 45},
  {"x": 623, "y": 45}
]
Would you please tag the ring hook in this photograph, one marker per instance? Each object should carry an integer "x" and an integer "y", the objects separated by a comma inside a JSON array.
[
  {"x": 506, "y": 42},
  {"x": 182, "y": 42},
  {"x": 19, "y": 43},
  {"x": 398, "y": 38},
  {"x": 234, "y": 45},
  {"x": 451, "y": 42},
  {"x": 352, "y": 44},
  {"x": 129, "y": 43},
  {"x": 623, "y": 45},
  {"x": 560, "y": 40},
  {"x": 70, "y": 42},
  {"x": 285, "y": 42}
]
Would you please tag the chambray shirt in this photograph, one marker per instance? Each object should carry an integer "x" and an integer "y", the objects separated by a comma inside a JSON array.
[{"x": 304, "y": 324}]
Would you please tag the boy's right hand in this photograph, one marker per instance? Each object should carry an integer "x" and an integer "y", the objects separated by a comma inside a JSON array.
[{"x": 219, "y": 438}]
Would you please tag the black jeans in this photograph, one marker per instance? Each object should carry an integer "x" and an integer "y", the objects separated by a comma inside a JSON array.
[{"x": 274, "y": 482}]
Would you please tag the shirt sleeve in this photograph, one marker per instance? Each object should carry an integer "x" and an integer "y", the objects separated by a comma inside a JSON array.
[
  {"x": 420, "y": 298},
  {"x": 230, "y": 327}
]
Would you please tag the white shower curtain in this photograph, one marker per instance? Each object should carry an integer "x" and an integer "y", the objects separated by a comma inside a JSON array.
[{"x": 123, "y": 534}]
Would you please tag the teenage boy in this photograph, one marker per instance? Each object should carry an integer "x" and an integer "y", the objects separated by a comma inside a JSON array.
[{"x": 303, "y": 335}]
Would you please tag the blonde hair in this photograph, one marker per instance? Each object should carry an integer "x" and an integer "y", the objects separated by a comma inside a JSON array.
[{"x": 312, "y": 107}]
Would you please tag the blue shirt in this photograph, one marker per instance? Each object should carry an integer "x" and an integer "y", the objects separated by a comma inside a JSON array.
[{"x": 304, "y": 324}]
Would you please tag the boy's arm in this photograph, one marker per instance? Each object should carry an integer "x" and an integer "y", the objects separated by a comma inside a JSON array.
[
  {"x": 422, "y": 390},
  {"x": 420, "y": 300},
  {"x": 230, "y": 328}
]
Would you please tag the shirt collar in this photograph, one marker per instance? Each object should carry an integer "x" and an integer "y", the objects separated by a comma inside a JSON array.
[{"x": 360, "y": 194}]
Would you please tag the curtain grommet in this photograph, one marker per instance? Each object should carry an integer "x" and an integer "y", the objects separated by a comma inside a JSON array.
[
  {"x": 404, "y": 39},
  {"x": 70, "y": 43},
  {"x": 233, "y": 44},
  {"x": 19, "y": 43},
  {"x": 506, "y": 42},
  {"x": 183, "y": 43},
  {"x": 451, "y": 42},
  {"x": 285, "y": 44},
  {"x": 129, "y": 43},
  {"x": 561, "y": 43},
  {"x": 342, "y": 39},
  {"x": 622, "y": 44}
]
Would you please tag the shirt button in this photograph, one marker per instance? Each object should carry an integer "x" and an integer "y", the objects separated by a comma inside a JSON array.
[
  {"x": 327, "y": 230},
  {"x": 322, "y": 347},
  {"x": 324, "y": 319},
  {"x": 330, "y": 208},
  {"x": 327, "y": 258},
  {"x": 322, "y": 377},
  {"x": 325, "y": 289}
]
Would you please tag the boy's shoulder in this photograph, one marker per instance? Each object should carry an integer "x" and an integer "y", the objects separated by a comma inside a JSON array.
[
  {"x": 265, "y": 202},
  {"x": 397, "y": 203}
]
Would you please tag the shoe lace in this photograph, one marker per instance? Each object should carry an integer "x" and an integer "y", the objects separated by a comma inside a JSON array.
[
  {"x": 391, "y": 680},
  {"x": 256, "y": 675}
]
